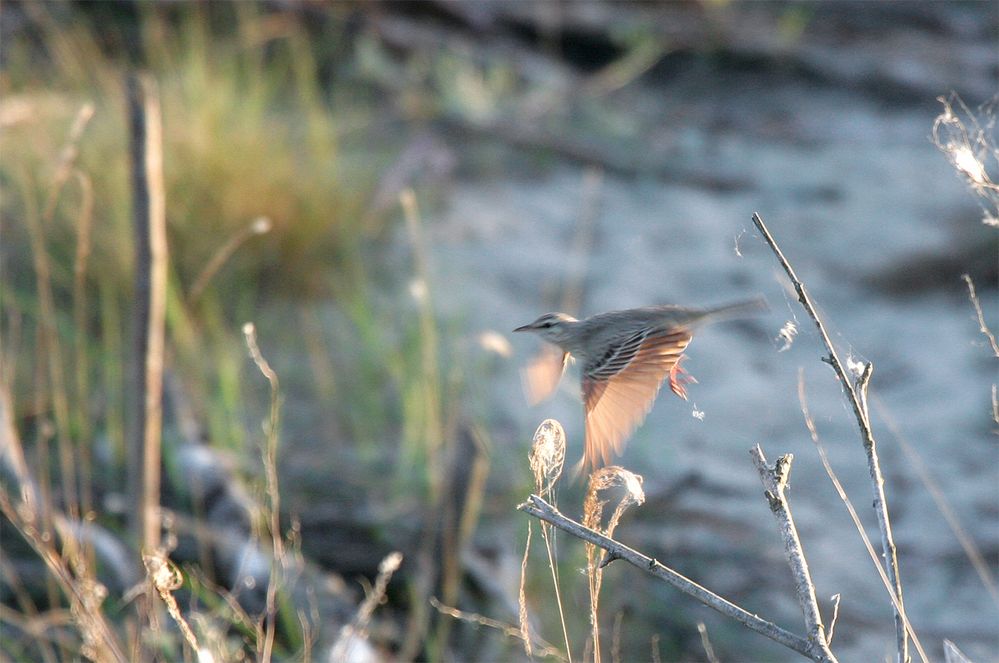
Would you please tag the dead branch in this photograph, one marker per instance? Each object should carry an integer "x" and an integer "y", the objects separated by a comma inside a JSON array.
[
  {"x": 538, "y": 508},
  {"x": 774, "y": 478},
  {"x": 857, "y": 395}
]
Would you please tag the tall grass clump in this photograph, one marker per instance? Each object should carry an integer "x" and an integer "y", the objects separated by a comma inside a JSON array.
[
  {"x": 260, "y": 201},
  {"x": 249, "y": 133}
]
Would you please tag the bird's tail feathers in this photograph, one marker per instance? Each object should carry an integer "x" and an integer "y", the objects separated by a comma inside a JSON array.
[{"x": 742, "y": 309}]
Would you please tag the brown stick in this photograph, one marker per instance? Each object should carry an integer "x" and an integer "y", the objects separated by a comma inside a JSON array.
[
  {"x": 149, "y": 212},
  {"x": 857, "y": 396}
]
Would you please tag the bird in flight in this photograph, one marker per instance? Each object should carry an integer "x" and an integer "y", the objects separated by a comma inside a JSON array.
[{"x": 625, "y": 358}]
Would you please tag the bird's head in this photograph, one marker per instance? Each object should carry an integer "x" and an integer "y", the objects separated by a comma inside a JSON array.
[{"x": 553, "y": 327}]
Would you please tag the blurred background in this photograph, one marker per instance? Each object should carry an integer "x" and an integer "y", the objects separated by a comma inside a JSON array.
[{"x": 386, "y": 189}]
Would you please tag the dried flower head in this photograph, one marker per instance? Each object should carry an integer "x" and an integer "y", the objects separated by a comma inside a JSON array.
[{"x": 547, "y": 456}]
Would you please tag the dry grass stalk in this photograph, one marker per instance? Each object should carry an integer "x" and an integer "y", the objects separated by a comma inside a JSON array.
[
  {"x": 149, "y": 211},
  {"x": 82, "y": 364},
  {"x": 964, "y": 538},
  {"x": 375, "y": 597},
  {"x": 525, "y": 627},
  {"x": 885, "y": 580},
  {"x": 265, "y": 648},
  {"x": 166, "y": 578},
  {"x": 50, "y": 351},
  {"x": 547, "y": 459},
  {"x": 606, "y": 478},
  {"x": 260, "y": 226},
  {"x": 28, "y": 513},
  {"x": 545, "y": 649},
  {"x": 982, "y": 327}
]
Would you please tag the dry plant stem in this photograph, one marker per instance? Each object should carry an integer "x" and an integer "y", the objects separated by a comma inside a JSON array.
[
  {"x": 149, "y": 213},
  {"x": 80, "y": 329},
  {"x": 432, "y": 441},
  {"x": 525, "y": 627},
  {"x": 857, "y": 396},
  {"x": 709, "y": 650},
  {"x": 549, "y": 547},
  {"x": 774, "y": 478},
  {"x": 51, "y": 353},
  {"x": 982, "y": 327},
  {"x": 964, "y": 538},
  {"x": 27, "y": 515},
  {"x": 273, "y": 493},
  {"x": 545, "y": 649},
  {"x": 538, "y": 508},
  {"x": 226, "y": 251},
  {"x": 810, "y": 424},
  {"x": 359, "y": 625}
]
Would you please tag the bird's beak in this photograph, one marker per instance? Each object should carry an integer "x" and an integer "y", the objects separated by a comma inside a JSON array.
[{"x": 524, "y": 328}]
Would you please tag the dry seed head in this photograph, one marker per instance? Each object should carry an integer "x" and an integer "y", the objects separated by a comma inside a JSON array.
[
  {"x": 967, "y": 162},
  {"x": 606, "y": 478},
  {"x": 547, "y": 456}
]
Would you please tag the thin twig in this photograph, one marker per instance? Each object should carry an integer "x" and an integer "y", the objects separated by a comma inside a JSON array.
[
  {"x": 538, "y": 508},
  {"x": 982, "y": 327},
  {"x": 545, "y": 649},
  {"x": 273, "y": 492},
  {"x": 856, "y": 394},
  {"x": 774, "y": 478},
  {"x": 832, "y": 621},
  {"x": 359, "y": 625},
  {"x": 962, "y": 535},
  {"x": 709, "y": 650},
  {"x": 260, "y": 226},
  {"x": 813, "y": 431}
]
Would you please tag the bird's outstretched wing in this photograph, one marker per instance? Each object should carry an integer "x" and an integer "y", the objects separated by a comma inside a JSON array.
[
  {"x": 620, "y": 387},
  {"x": 540, "y": 377}
]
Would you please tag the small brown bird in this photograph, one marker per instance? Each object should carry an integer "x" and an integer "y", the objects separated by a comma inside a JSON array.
[{"x": 625, "y": 357}]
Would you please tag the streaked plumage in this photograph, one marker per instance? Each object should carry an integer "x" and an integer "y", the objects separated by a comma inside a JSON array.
[{"x": 625, "y": 357}]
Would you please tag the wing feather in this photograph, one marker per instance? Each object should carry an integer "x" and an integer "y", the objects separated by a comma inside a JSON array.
[{"x": 619, "y": 389}]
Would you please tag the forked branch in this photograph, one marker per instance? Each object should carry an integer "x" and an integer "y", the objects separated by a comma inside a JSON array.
[
  {"x": 857, "y": 396},
  {"x": 774, "y": 478},
  {"x": 539, "y": 508}
]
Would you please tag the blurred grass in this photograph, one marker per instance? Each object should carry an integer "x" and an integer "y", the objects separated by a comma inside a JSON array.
[
  {"x": 248, "y": 132},
  {"x": 254, "y": 128},
  {"x": 251, "y": 130}
]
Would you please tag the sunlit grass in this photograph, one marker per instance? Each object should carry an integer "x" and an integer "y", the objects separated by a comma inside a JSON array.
[
  {"x": 254, "y": 128},
  {"x": 248, "y": 132}
]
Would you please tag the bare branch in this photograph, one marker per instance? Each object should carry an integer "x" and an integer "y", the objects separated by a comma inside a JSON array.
[
  {"x": 538, "y": 508},
  {"x": 856, "y": 394},
  {"x": 774, "y": 478}
]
